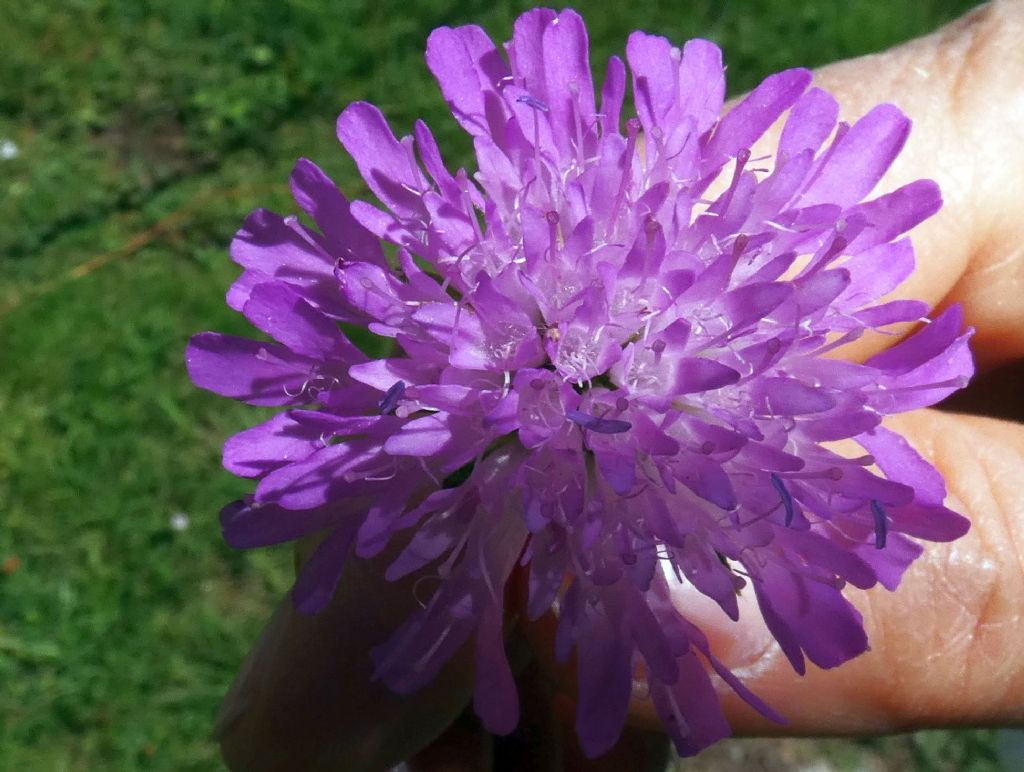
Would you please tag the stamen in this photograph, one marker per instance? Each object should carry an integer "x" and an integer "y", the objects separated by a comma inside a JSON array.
[
  {"x": 722, "y": 205},
  {"x": 554, "y": 240},
  {"x": 881, "y": 523},
  {"x": 633, "y": 128},
  {"x": 599, "y": 425},
  {"x": 835, "y": 249},
  {"x": 391, "y": 398},
  {"x": 533, "y": 102},
  {"x": 650, "y": 228},
  {"x": 829, "y": 473},
  {"x": 956, "y": 383},
  {"x": 786, "y": 496}
]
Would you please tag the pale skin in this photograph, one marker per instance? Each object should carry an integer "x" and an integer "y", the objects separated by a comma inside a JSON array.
[{"x": 945, "y": 648}]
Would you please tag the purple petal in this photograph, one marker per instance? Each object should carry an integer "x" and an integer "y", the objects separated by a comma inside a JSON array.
[
  {"x": 651, "y": 640},
  {"x": 420, "y": 437},
  {"x": 933, "y": 523},
  {"x": 605, "y": 682},
  {"x": 526, "y": 50},
  {"x": 690, "y": 709},
  {"x": 248, "y": 370},
  {"x": 696, "y": 374},
  {"x": 317, "y": 194},
  {"x": 248, "y": 525},
  {"x": 900, "y": 462},
  {"x": 468, "y": 68},
  {"x": 748, "y": 120},
  {"x": 612, "y": 93},
  {"x": 787, "y": 396},
  {"x": 701, "y": 83},
  {"x": 319, "y": 575},
  {"x": 877, "y": 271},
  {"x": 891, "y": 563},
  {"x": 285, "y": 438},
  {"x": 857, "y": 161},
  {"x": 707, "y": 479},
  {"x": 888, "y": 216},
  {"x": 929, "y": 342},
  {"x": 280, "y": 312},
  {"x": 892, "y": 312},
  {"x": 268, "y": 243},
  {"x": 569, "y": 88},
  {"x": 494, "y": 697},
  {"x": 655, "y": 75},
  {"x": 811, "y": 616},
  {"x": 315, "y": 480},
  {"x": 810, "y": 122},
  {"x": 383, "y": 162}
]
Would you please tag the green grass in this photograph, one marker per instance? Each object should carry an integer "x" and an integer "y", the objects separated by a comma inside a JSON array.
[{"x": 145, "y": 132}]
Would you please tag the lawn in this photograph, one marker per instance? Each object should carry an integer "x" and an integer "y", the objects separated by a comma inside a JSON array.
[{"x": 134, "y": 137}]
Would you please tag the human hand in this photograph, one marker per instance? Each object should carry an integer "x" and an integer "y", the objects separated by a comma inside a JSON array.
[{"x": 944, "y": 646}]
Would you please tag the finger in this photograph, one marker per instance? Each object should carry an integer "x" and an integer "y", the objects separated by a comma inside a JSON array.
[
  {"x": 945, "y": 647},
  {"x": 961, "y": 86}
]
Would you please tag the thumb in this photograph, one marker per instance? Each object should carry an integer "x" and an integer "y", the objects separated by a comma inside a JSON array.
[{"x": 305, "y": 698}]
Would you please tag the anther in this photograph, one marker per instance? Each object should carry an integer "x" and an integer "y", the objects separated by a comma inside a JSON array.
[
  {"x": 391, "y": 398},
  {"x": 599, "y": 425},
  {"x": 785, "y": 495},
  {"x": 881, "y": 523},
  {"x": 533, "y": 102}
]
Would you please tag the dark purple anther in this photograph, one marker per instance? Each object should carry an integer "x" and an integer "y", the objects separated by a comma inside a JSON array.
[
  {"x": 390, "y": 400},
  {"x": 599, "y": 425},
  {"x": 787, "y": 498},
  {"x": 881, "y": 524},
  {"x": 533, "y": 102}
]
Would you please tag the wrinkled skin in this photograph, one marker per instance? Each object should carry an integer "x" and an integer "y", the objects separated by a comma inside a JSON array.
[{"x": 945, "y": 647}]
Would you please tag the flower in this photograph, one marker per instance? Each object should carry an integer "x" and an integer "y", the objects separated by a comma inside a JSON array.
[{"x": 611, "y": 368}]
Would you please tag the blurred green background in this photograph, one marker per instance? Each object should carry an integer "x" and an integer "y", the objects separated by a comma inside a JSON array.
[{"x": 134, "y": 137}]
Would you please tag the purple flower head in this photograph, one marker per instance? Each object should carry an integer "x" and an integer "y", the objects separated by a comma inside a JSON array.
[{"x": 610, "y": 367}]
